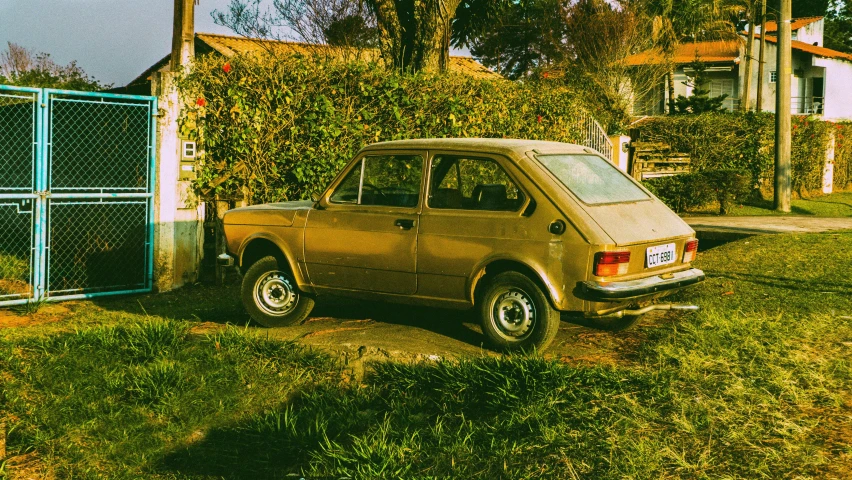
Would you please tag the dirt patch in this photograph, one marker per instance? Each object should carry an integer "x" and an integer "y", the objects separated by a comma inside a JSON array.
[{"x": 49, "y": 313}]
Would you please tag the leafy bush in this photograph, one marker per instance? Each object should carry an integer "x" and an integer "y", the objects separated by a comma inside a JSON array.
[
  {"x": 681, "y": 192},
  {"x": 281, "y": 128},
  {"x": 746, "y": 141},
  {"x": 693, "y": 190},
  {"x": 727, "y": 186}
]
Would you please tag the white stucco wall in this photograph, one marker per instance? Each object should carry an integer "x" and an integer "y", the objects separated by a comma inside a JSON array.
[{"x": 838, "y": 88}]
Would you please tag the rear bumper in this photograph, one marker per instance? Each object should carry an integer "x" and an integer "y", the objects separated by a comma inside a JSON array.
[{"x": 614, "y": 291}]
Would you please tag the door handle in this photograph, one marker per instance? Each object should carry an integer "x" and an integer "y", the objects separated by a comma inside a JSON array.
[{"x": 404, "y": 223}]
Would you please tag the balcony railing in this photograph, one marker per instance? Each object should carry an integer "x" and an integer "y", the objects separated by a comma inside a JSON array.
[{"x": 807, "y": 105}]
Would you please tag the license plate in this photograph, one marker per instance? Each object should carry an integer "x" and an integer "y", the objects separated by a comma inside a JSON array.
[{"x": 660, "y": 255}]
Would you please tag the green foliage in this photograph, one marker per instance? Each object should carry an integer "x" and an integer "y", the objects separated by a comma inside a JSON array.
[
  {"x": 727, "y": 186},
  {"x": 681, "y": 192},
  {"x": 746, "y": 141},
  {"x": 694, "y": 190},
  {"x": 281, "y": 128}
]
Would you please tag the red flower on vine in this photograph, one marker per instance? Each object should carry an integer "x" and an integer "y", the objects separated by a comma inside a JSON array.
[
  {"x": 201, "y": 102},
  {"x": 226, "y": 67},
  {"x": 546, "y": 74},
  {"x": 538, "y": 118}
]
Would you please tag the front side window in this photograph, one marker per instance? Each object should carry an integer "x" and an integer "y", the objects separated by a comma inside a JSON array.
[
  {"x": 592, "y": 179},
  {"x": 389, "y": 180},
  {"x": 472, "y": 184}
]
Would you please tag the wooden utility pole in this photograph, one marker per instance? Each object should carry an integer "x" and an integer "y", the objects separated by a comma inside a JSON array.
[
  {"x": 761, "y": 62},
  {"x": 183, "y": 35},
  {"x": 745, "y": 98},
  {"x": 783, "y": 139}
]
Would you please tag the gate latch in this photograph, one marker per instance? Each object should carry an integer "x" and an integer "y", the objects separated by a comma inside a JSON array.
[{"x": 42, "y": 193}]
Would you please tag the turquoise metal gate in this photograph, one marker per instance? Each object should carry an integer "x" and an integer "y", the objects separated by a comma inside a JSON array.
[{"x": 76, "y": 194}]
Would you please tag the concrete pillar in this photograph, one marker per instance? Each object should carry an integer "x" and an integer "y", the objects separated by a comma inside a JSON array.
[
  {"x": 620, "y": 151},
  {"x": 178, "y": 213}
]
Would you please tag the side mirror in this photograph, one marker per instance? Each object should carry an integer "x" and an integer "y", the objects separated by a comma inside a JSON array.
[{"x": 315, "y": 197}]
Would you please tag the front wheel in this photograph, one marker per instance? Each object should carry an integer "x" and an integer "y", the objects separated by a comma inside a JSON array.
[
  {"x": 516, "y": 314},
  {"x": 271, "y": 297}
]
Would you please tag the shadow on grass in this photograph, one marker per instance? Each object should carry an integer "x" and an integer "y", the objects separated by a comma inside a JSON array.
[
  {"x": 795, "y": 284},
  {"x": 222, "y": 305},
  {"x": 764, "y": 204}
]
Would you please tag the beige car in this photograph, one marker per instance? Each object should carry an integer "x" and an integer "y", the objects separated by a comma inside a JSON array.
[{"x": 523, "y": 231}]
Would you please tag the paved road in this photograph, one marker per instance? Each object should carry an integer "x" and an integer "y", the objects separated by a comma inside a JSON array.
[{"x": 767, "y": 224}]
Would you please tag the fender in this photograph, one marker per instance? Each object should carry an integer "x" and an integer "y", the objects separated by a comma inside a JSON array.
[
  {"x": 285, "y": 250},
  {"x": 555, "y": 294}
]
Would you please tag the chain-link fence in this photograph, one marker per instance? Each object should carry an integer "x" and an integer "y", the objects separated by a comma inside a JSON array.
[{"x": 76, "y": 194}]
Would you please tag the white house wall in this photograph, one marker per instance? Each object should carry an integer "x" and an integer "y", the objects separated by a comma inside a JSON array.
[{"x": 838, "y": 88}]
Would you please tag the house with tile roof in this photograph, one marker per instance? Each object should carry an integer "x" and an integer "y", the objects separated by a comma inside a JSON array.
[
  {"x": 819, "y": 84},
  {"x": 229, "y": 46}
]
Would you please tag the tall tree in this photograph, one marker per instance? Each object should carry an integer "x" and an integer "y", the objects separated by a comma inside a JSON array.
[
  {"x": 838, "y": 26},
  {"x": 412, "y": 35},
  {"x": 24, "y": 67},
  {"x": 517, "y": 36}
]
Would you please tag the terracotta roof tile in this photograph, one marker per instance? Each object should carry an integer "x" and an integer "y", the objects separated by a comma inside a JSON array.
[
  {"x": 230, "y": 45},
  {"x": 796, "y": 23},
  {"x": 813, "y": 49},
  {"x": 720, "y": 51}
]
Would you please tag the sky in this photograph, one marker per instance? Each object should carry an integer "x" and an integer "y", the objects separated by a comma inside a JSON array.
[{"x": 111, "y": 40}]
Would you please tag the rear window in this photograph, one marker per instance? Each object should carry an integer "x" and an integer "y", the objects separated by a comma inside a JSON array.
[{"x": 592, "y": 179}]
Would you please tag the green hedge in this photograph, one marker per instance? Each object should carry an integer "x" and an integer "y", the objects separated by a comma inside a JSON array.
[
  {"x": 746, "y": 141},
  {"x": 281, "y": 128}
]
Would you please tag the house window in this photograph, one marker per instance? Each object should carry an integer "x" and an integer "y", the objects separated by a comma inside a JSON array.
[{"x": 773, "y": 76}]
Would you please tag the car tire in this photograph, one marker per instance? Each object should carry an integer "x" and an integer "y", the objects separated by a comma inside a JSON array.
[
  {"x": 272, "y": 298},
  {"x": 516, "y": 315},
  {"x": 614, "y": 324}
]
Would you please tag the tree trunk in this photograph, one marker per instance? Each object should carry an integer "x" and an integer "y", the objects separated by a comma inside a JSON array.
[{"x": 414, "y": 35}]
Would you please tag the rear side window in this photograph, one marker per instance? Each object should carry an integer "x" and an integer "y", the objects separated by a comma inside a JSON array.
[
  {"x": 461, "y": 183},
  {"x": 389, "y": 180},
  {"x": 592, "y": 179}
]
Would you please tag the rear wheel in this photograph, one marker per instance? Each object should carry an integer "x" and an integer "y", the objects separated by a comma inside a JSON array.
[
  {"x": 516, "y": 314},
  {"x": 271, "y": 297}
]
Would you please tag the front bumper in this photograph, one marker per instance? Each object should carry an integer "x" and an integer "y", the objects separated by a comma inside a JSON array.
[{"x": 631, "y": 289}]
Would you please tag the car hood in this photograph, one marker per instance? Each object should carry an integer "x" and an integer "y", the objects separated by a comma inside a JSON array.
[
  {"x": 280, "y": 214},
  {"x": 638, "y": 222}
]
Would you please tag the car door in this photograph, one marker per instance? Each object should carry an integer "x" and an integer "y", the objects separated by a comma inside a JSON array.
[
  {"x": 363, "y": 235},
  {"x": 474, "y": 211}
]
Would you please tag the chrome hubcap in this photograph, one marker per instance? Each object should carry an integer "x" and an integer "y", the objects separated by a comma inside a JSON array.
[
  {"x": 513, "y": 313},
  {"x": 275, "y": 294}
]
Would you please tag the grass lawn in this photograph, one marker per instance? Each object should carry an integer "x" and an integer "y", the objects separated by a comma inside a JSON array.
[
  {"x": 834, "y": 205},
  {"x": 758, "y": 384}
]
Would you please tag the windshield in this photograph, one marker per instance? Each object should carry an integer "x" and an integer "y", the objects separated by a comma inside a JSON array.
[{"x": 592, "y": 179}]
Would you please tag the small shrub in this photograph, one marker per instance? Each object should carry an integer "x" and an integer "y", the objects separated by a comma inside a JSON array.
[
  {"x": 727, "y": 185},
  {"x": 681, "y": 192}
]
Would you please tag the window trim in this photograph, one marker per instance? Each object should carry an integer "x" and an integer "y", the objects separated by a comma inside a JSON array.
[
  {"x": 325, "y": 200},
  {"x": 501, "y": 161}
]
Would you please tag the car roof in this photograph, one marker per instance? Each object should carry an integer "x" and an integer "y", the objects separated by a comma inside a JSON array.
[{"x": 496, "y": 145}]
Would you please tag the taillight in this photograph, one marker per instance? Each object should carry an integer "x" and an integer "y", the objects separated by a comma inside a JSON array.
[
  {"x": 608, "y": 264},
  {"x": 690, "y": 250}
]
